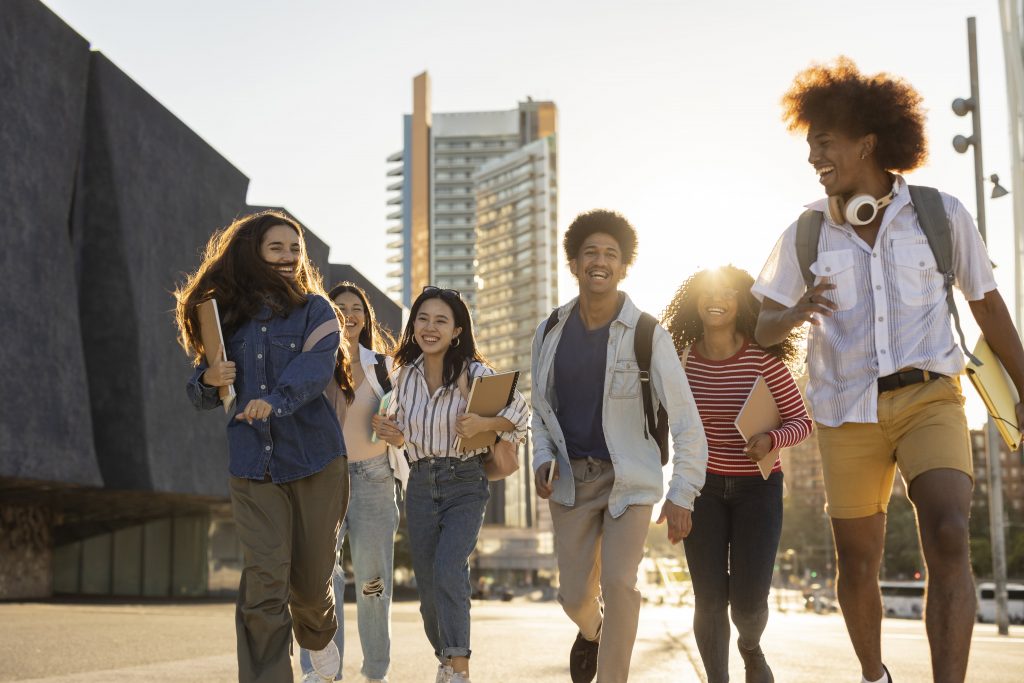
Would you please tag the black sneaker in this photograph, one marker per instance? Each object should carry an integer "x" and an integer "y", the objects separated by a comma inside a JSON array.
[
  {"x": 583, "y": 659},
  {"x": 757, "y": 668}
]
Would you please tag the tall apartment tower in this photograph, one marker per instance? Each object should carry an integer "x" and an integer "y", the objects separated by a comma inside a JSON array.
[
  {"x": 475, "y": 209},
  {"x": 433, "y": 236}
]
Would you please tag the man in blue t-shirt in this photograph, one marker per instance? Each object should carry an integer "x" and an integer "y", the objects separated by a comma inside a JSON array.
[{"x": 589, "y": 422}]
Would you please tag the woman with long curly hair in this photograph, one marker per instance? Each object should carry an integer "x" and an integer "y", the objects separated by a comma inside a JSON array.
[
  {"x": 289, "y": 479},
  {"x": 447, "y": 489},
  {"x": 737, "y": 519}
]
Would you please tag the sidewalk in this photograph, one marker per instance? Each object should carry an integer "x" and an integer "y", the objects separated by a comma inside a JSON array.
[
  {"x": 99, "y": 643},
  {"x": 512, "y": 643}
]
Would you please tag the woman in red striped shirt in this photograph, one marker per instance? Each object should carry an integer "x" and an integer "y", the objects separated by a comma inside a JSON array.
[{"x": 737, "y": 519}]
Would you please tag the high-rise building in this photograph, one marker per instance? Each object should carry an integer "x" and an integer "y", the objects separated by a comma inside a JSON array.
[{"x": 475, "y": 209}]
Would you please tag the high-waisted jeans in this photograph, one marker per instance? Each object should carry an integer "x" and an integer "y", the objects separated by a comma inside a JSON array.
[
  {"x": 444, "y": 503},
  {"x": 737, "y": 522}
]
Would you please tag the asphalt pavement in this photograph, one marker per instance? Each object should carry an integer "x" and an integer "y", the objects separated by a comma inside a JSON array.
[{"x": 512, "y": 642}]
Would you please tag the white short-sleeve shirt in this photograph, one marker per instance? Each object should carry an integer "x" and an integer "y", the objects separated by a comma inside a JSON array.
[{"x": 892, "y": 303}]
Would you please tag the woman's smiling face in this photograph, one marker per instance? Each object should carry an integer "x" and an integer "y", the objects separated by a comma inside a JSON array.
[{"x": 434, "y": 327}]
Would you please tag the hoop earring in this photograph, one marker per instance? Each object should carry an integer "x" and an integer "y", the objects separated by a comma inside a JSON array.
[
  {"x": 455, "y": 343},
  {"x": 414, "y": 342}
]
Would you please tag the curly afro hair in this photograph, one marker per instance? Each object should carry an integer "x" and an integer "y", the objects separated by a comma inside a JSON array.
[
  {"x": 601, "y": 220},
  {"x": 684, "y": 323},
  {"x": 839, "y": 96}
]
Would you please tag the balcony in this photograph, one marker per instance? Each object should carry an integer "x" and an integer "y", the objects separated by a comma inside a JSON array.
[
  {"x": 396, "y": 171},
  {"x": 394, "y": 229},
  {"x": 395, "y": 215},
  {"x": 395, "y": 201},
  {"x": 396, "y": 186},
  {"x": 395, "y": 156},
  {"x": 395, "y": 244}
]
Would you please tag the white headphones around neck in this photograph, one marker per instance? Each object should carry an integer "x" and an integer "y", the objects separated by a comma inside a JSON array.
[{"x": 860, "y": 210}]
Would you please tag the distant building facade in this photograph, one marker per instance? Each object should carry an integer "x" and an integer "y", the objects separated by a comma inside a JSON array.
[{"x": 474, "y": 208}]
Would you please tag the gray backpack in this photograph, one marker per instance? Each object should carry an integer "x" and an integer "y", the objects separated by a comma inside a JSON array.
[{"x": 931, "y": 214}]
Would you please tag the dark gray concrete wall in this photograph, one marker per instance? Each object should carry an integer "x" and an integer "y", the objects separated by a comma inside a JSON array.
[
  {"x": 45, "y": 426},
  {"x": 150, "y": 193}
]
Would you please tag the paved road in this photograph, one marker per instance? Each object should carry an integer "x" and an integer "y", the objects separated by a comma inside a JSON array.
[{"x": 513, "y": 642}]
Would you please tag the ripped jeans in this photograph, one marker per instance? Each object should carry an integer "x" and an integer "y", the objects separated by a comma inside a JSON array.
[{"x": 370, "y": 524}]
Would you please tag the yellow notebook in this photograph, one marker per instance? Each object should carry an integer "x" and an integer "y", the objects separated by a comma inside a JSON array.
[{"x": 996, "y": 391}]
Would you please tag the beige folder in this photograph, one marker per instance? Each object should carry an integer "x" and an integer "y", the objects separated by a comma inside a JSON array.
[
  {"x": 487, "y": 397},
  {"x": 759, "y": 414},
  {"x": 213, "y": 345},
  {"x": 997, "y": 392}
]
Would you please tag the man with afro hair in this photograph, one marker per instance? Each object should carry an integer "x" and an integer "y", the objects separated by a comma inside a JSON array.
[
  {"x": 592, "y": 455},
  {"x": 882, "y": 361}
]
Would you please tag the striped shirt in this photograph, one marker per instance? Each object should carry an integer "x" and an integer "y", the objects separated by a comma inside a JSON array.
[
  {"x": 892, "y": 304},
  {"x": 720, "y": 387},
  {"x": 428, "y": 421}
]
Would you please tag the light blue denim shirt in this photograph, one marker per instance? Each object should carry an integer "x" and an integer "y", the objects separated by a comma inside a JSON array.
[
  {"x": 302, "y": 434},
  {"x": 635, "y": 458}
]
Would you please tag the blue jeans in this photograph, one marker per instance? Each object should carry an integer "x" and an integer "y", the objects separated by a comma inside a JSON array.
[
  {"x": 444, "y": 504},
  {"x": 737, "y": 522},
  {"x": 370, "y": 524}
]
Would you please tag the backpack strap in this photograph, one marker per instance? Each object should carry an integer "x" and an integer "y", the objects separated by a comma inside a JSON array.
[
  {"x": 808, "y": 230},
  {"x": 381, "y": 370},
  {"x": 549, "y": 324},
  {"x": 643, "y": 340},
  {"x": 931, "y": 215}
]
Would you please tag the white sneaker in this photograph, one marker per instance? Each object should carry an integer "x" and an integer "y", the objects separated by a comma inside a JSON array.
[
  {"x": 444, "y": 674},
  {"x": 312, "y": 677},
  {"x": 326, "y": 662},
  {"x": 458, "y": 677}
]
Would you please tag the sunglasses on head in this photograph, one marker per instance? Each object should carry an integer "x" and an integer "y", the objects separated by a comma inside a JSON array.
[{"x": 431, "y": 289}]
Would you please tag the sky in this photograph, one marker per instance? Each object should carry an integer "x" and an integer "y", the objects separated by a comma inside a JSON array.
[{"x": 668, "y": 111}]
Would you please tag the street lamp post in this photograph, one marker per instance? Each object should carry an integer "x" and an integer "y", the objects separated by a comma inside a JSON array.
[{"x": 992, "y": 438}]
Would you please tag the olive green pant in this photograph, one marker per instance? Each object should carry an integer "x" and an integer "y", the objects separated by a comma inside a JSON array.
[{"x": 288, "y": 534}]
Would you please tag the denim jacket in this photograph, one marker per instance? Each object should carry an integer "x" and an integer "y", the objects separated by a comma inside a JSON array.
[
  {"x": 635, "y": 459},
  {"x": 302, "y": 434}
]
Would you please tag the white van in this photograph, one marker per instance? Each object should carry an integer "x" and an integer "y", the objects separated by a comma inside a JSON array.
[
  {"x": 903, "y": 599},
  {"x": 987, "y": 602}
]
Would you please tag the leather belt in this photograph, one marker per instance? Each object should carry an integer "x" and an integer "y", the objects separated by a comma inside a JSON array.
[{"x": 905, "y": 379}]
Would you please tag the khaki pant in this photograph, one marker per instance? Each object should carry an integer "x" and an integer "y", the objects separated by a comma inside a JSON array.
[
  {"x": 288, "y": 534},
  {"x": 598, "y": 557}
]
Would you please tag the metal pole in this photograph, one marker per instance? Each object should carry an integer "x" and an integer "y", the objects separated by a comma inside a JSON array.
[
  {"x": 995, "y": 475},
  {"x": 979, "y": 171}
]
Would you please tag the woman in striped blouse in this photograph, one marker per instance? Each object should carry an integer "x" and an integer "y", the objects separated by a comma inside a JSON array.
[
  {"x": 447, "y": 490},
  {"x": 737, "y": 519}
]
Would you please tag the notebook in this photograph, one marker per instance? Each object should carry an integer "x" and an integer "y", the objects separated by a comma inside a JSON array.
[
  {"x": 213, "y": 345},
  {"x": 996, "y": 391},
  {"x": 759, "y": 414},
  {"x": 488, "y": 395}
]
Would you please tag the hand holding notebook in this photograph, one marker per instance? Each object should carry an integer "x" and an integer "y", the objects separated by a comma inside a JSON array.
[
  {"x": 758, "y": 415},
  {"x": 213, "y": 346}
]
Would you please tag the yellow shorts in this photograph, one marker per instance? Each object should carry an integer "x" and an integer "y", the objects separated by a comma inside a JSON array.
[{"x": 921, "y": 427}]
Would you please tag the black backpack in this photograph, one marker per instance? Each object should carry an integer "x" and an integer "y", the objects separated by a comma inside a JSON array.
[
  {"x": 381, "y": 370},
  {"x": 643, "y": 344}
]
